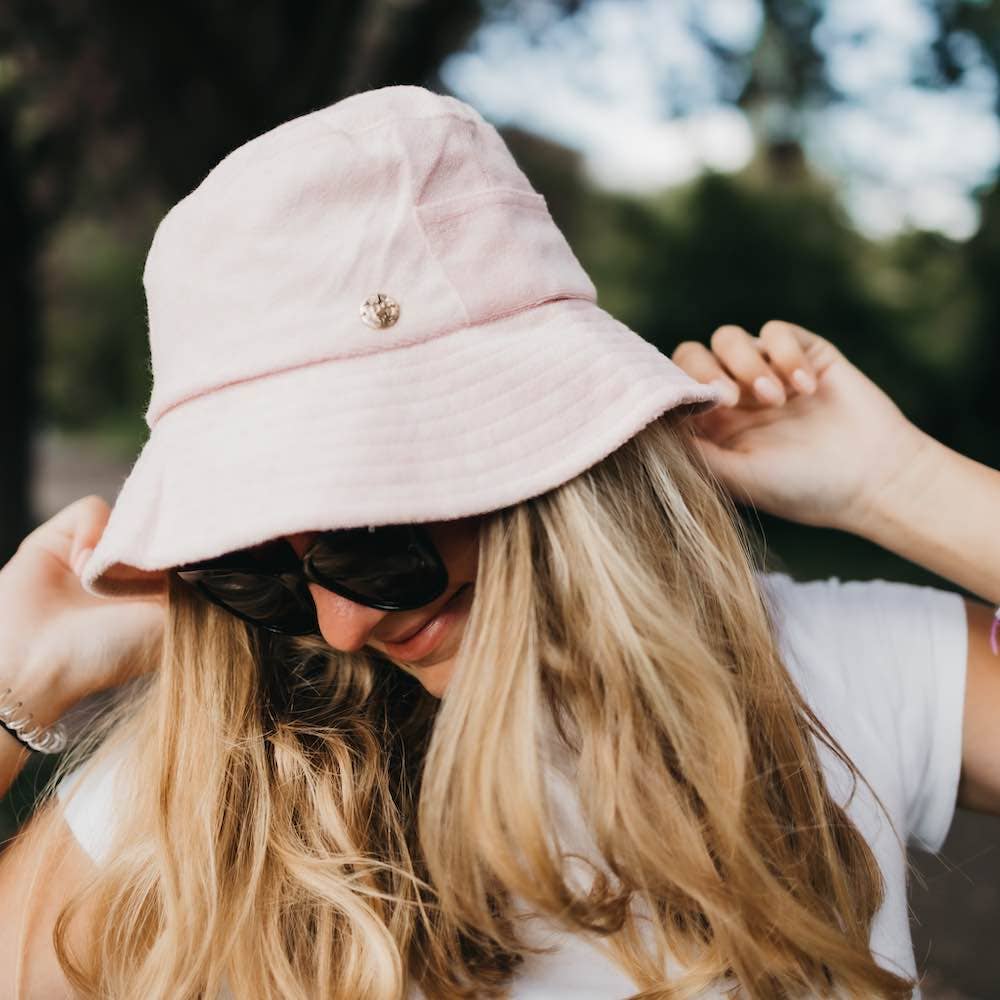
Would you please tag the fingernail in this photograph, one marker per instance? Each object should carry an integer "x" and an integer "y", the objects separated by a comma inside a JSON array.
[
  {"x": 730, "y": 391},
  {"x": 768, "y": 390},
  {"x": 803, "y": 381},
  {"x": 81, "y": 560}
]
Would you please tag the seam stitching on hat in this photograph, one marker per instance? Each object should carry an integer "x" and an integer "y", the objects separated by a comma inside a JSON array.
[
  {"x": 479, "y": 160},
  {"x": 327, "y": 359},
  {"x": 638, "y": 351},
  {"x": 691, "y": 392},
  {"x": 378, "y": 349},
  {"x": 415, "y": 215},
  {"x": 244, "y": 162},
  {"x": 475, "y": 200},
  {"x": 381, "y": 122}
]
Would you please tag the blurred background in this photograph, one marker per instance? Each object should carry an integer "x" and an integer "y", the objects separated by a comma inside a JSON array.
[{"x": 831, "y": 162}]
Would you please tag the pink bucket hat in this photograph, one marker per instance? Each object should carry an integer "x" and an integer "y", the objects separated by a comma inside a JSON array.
[{"x": 367, "y": 316}]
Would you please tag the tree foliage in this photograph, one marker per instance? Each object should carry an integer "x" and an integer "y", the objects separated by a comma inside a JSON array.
[{"x": 105, "y": 104}]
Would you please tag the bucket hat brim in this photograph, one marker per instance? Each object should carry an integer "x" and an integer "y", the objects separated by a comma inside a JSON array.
[{"x": 466, "y": 422}]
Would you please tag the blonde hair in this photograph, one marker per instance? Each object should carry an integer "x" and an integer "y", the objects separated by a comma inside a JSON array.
[{"x": 308, "y": 823}]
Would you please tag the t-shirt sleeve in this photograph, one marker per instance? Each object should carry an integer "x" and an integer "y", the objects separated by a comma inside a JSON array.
[
  {"x": 891, "y": 656},
  {"x": 90, "y": 799}
]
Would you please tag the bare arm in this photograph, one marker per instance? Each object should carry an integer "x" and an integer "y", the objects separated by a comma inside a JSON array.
[
  {"x": 48, "y": 702},
  {"x": 940, "y": 510},
  {"x": 59, "y": 644},
  {"x": 832, "y": 449},
  {"x": 40, "y": 869}
]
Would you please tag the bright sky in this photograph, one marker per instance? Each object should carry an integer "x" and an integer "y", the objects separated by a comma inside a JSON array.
[{"x": 627, "y": 84}]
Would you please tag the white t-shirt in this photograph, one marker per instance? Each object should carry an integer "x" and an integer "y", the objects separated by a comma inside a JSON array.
[{"x": 882, "y": 665}]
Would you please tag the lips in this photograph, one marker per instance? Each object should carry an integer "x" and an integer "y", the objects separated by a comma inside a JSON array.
[{"x": 406, "y": 636}]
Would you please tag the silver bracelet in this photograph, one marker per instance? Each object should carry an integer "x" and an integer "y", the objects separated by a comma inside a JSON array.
[{"x": 19, "y": 724}]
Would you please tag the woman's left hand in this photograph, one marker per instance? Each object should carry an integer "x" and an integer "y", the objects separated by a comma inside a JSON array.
[{"x": 804, "y": 434}]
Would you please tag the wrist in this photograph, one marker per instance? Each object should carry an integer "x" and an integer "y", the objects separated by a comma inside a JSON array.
[
  {"x": 21, "y": 725},
  {"x": 31, "y": 705},
  {"x": 903, "y": 493},
  {"x": 44, "y": 693}
]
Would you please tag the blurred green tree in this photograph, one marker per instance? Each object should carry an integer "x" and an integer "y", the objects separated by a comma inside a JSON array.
[
  {"x": 18, "y": 337},
  {"x": 967, "y": 43},
  {"x": 110, "y": 101}
]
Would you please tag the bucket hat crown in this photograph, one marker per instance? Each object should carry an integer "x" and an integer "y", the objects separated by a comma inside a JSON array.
[{"x": 367, "y": 316}]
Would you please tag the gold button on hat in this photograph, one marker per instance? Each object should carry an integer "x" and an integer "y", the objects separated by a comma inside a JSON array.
[
  {"x": 379, "y": 311},
  {"x": 267, "y": 329}
]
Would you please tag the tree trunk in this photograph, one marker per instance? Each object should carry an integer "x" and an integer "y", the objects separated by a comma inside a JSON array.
[{"x": 19, "y": 326}]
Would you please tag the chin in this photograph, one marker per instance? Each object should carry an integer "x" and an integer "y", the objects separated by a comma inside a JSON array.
[{"x": 434, "y": 679}]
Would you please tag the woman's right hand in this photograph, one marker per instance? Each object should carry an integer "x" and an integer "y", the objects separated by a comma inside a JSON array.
[
  {"x": 805, "y": 434},
  {"x": 58, "y": 643}
]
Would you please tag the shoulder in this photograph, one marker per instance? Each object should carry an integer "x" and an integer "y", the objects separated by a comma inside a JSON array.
[{"x": 42, "y": 868}]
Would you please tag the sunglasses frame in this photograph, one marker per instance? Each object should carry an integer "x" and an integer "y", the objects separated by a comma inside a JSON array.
[{"x": 294, "y": 573}]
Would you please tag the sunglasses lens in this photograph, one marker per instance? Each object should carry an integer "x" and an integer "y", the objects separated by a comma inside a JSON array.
[
  {"x": 393, "y": 567},
  {"x": 264, "y": 600}
]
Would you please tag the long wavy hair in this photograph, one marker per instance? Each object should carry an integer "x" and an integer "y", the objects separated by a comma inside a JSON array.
[{"x": 301, "y": 822}]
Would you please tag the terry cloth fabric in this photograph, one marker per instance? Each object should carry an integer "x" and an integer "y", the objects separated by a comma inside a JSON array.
[{"x": 367, "y": 316}]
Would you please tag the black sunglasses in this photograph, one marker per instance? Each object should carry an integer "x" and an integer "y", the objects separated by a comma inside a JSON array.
[{"x": 392, "y": 567}]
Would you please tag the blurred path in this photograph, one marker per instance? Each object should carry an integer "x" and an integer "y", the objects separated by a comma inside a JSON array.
[
  {"x": 69, "y": 467},
  {"x": 955, "y": 919}
]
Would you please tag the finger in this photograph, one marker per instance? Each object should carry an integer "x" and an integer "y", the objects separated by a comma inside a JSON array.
[
  {"x": 91, "y": 519},
  {"x": 787, "y": 356},
  {"x": 820, "y": 351},
  {"x": 76, "y": 529},
  {"x": 740, "y": 355},
  {"x": 703, "y": 366}
]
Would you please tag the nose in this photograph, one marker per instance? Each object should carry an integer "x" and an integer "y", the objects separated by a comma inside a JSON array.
[{"x": 344, "y": 624}]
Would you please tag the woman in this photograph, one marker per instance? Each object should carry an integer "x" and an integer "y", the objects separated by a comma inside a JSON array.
[{"x": 614, "y": 759}]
